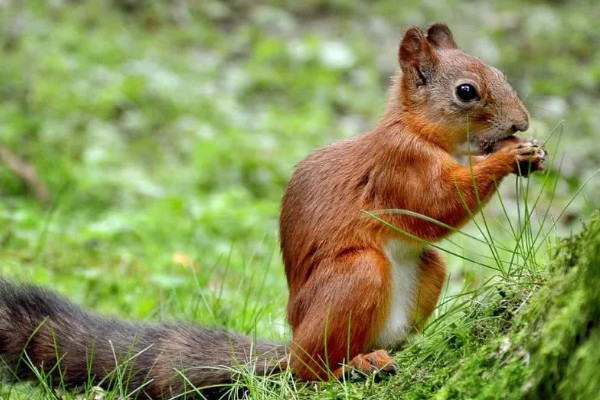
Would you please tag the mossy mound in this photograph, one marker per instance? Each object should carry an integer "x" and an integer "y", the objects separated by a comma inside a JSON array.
[
  {"x": 534, "y": 337},
  {"x": 552, "y": 349}
]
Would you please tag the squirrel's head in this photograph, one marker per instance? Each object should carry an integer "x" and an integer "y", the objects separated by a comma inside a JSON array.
[{"x": 449, "y": 95}]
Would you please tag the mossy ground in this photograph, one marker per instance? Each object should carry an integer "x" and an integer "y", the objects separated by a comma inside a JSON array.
[{"x": 535, "y": 338}]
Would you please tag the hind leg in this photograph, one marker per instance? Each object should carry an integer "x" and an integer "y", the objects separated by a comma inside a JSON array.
[
  {"x": 432, "y": 276},
  {"x": 336, "y": 315},
  {"x": 375, "y": 361}
]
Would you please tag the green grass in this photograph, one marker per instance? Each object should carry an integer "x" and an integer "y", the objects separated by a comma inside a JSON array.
[{"x": 166, "y": 136}]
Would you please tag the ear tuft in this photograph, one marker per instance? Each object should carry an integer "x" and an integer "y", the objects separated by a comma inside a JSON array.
[
  {"x": 440, "y": 36},
  {"x": 416, "y": 57},
  {"x": 411, "y": 46}
]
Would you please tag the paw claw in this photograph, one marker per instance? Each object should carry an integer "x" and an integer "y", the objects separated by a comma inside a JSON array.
[{"x": 389, "y": 369}]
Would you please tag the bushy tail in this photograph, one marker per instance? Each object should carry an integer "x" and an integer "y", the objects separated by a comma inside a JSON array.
[{"x": 41, "y": 330}]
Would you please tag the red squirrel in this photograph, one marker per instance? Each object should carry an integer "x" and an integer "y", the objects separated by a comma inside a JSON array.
[{"x": 356, "y": 286}]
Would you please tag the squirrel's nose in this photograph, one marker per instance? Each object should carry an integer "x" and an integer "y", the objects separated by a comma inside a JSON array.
[
  {"x": 521, "y": 123},
  {"x": 519, "y": 127}
]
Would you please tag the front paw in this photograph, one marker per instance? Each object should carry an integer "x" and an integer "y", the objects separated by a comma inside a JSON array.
[
  {"x": 527, "y": 155},
  {"x": 533, "y": 162}
]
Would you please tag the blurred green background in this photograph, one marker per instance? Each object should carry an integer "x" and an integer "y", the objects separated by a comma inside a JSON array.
[{"x": 165, "y": 132}]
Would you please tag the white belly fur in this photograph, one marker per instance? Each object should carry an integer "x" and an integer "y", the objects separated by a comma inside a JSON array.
[{"x": 404, "y": 261}]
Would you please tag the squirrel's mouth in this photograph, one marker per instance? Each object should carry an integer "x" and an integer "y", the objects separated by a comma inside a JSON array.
[
  {"x": 481, "y": 144},
  {"x": 485, "y": 144}
]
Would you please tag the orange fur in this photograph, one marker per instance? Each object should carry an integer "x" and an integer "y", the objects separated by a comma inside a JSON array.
[{"x": 432, "y": 276}]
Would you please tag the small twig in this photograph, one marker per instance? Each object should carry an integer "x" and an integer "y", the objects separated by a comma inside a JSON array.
[{"x": 27, "y": 173}]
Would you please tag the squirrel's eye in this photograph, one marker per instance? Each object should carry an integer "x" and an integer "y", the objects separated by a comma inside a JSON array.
[{"x": 466, "y": 92}]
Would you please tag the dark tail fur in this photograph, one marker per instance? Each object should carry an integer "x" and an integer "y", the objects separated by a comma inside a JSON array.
[{"x": 41, "y": 329}]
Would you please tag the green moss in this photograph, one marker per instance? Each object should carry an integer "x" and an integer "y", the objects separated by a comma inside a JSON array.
[
  {"x": 533, "y": 338},
  {"x": 534, "y": 341}
]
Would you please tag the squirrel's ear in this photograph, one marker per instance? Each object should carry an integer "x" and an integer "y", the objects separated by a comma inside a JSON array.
[
  {"x": 440, "y": 36},
  {"x": 416, "y": 56}
]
